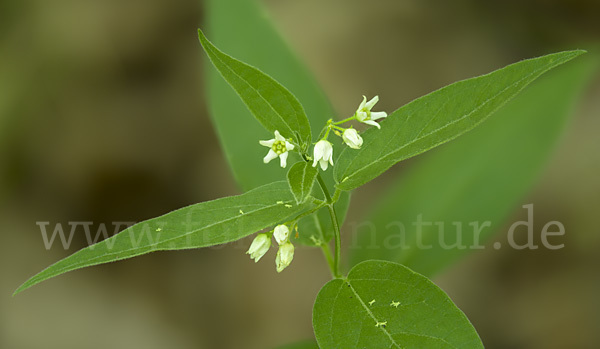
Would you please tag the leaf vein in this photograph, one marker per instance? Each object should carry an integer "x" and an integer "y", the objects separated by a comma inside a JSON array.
[{"x": 416, "y": 139}]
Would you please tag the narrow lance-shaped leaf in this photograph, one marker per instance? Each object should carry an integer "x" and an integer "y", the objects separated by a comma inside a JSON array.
[
  {"x": 437, "y": 118},
  {"x": 386, "y": 305},
  {"x": 200, "y": 225},
  {"x": 465, "y": 190},
  {"x": 271, "y": 104},
  {"x": 241, "y": 28},
  {"x": 301, "y": 178}
]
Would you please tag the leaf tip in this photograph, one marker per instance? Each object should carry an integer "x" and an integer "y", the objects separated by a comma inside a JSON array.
[
  {"x": 202, "y": 37},
  {"x": 21, "y": 288}
]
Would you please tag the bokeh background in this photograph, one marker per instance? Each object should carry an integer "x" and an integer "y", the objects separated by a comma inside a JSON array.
[{"x": 103, "y": 119}]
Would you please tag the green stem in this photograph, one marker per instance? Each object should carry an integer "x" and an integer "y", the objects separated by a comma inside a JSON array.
[
  {"x": 336, "y": 228},
  {"x": 324, "y": 188},
  {"x": 345, "y": 120},
  {"x": 327, "y": 133},
  {"x": 338, "y": 241},
  {"x": 336, "y": 195},
  {"x": 329, "y": 258},
  {"x": 325, "y": 129},
  {"x": 319, "y": 204}
]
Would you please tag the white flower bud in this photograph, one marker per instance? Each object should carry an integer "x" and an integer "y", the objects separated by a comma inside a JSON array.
[
  {"x": 323, "y": 154},
  {"x": 260, "y": 245},
  {"x": 281, "y": 233},
  {"x": 285, "y": 254},
  {"x": 352, "y": 138}
]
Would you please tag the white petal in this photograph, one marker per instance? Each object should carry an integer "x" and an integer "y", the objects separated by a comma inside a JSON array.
[
  {"x": 270, "y": 156},
  {"x": 283, "y": 159},
  {"x": 281, "y": 233},
  {"x": 315, "y": 162},
  {"x": 372, "y": 102},
  {"x": 268, "y": 143},
  {"x": 372, "y": 123},
  {"x": 331, "y": 160},
  {"x": 260, "y": 245},
  {"x": 289, "y": 146},
  {"x": 323, "y": 164},
  {"x": 328, "y": 153},
  {"x": 363, "y": 103},
  {"x": 285, "y": 255},
  {"x": 361, "y": 116},
  {"x": 378, "y": 115},
  {"x": 318, "y": 151},
  {"x": 278, "y": 136}
]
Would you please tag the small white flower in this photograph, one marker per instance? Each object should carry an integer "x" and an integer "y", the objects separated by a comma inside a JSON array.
[
  {"x": 285, "y": 254},
  {"x": 279, "y": 147},
  {"x": 260, "y": 245},
  {"x": 281, "y": 233},
  {"x": 352, "y": 138},
  {"x": 323, "y": 153},
  {"x": 365, "y": 115}
]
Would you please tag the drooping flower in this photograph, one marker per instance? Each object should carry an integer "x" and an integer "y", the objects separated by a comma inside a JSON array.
[
  {"x": 285, "y": 254},
  {"x": 279, "y": 147},
  {"x": 323, "y": 154},
  {"x": 365, "y": 115},
  {"x": 260, "y": 245},
  {"x": 281, "y": 233},
  {"x": 352, "y": 138}
]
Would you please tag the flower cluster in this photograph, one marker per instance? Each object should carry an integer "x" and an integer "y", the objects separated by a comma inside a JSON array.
[
  {"x": 262, "y": 242},
  {"x": 323, "y": 156},
  {"x": 323, "y": 150}
]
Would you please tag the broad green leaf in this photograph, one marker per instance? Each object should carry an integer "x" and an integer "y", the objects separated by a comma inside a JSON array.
[
  {"x": 200, "y": 225},
  {"x": 437, "y": 118},
  {"x": 301, "y": 178},
  {"x": 272, "y": 105},
  {"x": 386, "y": 305},
  {"x": 469, "y": 187},
  {"x": 242, "y": 29}
]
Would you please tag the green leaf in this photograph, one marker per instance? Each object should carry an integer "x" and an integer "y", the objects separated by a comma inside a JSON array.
[
  {"x": 437, "y": 118},
  {"x": 301, "y": 178},
  {"x": 242, "y": 28},
  {"x": 272, "y": 105},
  {"x": 386, "y": 305},
  {"x": 478, "y": 178},
  {"x": 200, "y": 225}
]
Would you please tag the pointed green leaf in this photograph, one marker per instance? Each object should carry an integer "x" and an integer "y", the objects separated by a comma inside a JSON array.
[
  {"x": 386, "y": 305},
  {"x": 471, "y": 186},
  {"x": 301, "y": 178},
  {"x": 200, "y": 225},
  {"x": 437, "y": 118},
  {"x": 242, "y": 29},
  {"x": 271, "y": 104}
]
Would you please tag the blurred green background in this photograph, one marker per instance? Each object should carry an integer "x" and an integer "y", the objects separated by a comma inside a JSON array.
[{"x": 103, "y": 119}]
